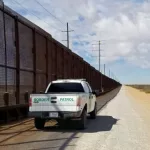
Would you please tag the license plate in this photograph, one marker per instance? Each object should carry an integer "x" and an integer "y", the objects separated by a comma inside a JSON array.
[{"x": 55, "y": 115}]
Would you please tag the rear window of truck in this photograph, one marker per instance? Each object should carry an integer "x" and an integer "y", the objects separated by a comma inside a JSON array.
[{"x": 65, "y": 87}]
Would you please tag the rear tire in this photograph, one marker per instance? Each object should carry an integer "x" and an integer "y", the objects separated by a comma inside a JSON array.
[
  {"x": 39, "y": 123},
  {"x": 83, "y": 121},
  {"x": 94, "y": 112}
]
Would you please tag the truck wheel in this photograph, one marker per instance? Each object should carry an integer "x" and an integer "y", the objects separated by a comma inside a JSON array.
[
  {"x": 94, "y": 112},
  {"x": 83, "y": 121},
  {"x": 39, "y": 123}
]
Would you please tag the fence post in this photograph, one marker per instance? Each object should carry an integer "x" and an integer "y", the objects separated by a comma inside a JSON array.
[
  {"x": 46, "y": 56},
  {"x": 50, "y": 69},
  {"x": 34, "y": 60},
  {"x": 56, "y": 73},
  {"x": 17, "y": 61},
  {"x": 4, "y": 26},
  {"x": 63, "y": 63}
]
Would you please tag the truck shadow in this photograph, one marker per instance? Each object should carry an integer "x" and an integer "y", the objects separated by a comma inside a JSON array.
[{"x": 100, "y": 124}]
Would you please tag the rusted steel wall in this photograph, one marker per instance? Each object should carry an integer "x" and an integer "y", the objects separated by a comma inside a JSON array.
[{"x": 30, "y": 58}]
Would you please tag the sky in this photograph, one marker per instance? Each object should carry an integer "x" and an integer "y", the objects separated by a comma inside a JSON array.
[{"x": 122, "y": 26}]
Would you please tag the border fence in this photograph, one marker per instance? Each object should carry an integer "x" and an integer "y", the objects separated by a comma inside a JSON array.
[{"x": 29, "y": 59}]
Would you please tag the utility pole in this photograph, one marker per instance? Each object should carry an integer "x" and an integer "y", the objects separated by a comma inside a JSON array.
[
  {"x": 104, "y": 69},
  {"x": 99, "y": 56},
  {"x": 67, "y": 35},
  {"x": 99, "y": 43},
  {"x": 99, "y": 50}
]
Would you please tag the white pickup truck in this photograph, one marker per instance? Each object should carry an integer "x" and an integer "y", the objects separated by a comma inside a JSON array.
[{"x": 66, "y": 99}]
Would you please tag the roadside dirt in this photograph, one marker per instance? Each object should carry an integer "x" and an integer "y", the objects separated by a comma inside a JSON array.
[
  {"x": 138, "y": 95},
  {"x": 142, "y": 102}
]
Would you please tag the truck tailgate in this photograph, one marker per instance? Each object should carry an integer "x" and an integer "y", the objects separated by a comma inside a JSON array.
[{"x": 53, "y": 102}]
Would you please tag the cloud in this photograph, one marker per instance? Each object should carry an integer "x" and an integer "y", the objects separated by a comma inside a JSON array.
[{"x": 122, "y": 25}]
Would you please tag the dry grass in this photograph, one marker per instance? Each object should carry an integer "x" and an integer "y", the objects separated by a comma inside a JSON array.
[{"x": 144, "y": 88}]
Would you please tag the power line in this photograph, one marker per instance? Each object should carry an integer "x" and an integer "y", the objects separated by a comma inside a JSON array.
[
  {"x": 79, "y": 41},
  {"x": 14, "y": 1},
  {"x": 49, "y": 12},
  {"x": 48, "y": 23},
  {"x": 57, "y": 18},
  {"x": 59, "y": 21},
  {"x": 53, "y": 15}
]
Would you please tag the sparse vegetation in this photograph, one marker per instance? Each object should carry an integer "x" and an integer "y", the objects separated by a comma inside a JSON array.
[{"x": 144, "y": 88}]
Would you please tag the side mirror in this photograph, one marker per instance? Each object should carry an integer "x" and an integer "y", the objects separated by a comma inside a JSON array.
[{"x": 94, "y": 92}]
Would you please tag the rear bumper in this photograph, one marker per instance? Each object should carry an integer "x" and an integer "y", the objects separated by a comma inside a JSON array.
[{"x": 61, "y": 115}]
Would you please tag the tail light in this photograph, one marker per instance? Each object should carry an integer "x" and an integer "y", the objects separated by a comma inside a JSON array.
[
  {"x": 79, "y": 101},
  {"x": 30, "y": 102}
]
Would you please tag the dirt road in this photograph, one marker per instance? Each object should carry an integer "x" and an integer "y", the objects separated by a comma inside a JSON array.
[{"x": 122, "y": 124}]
